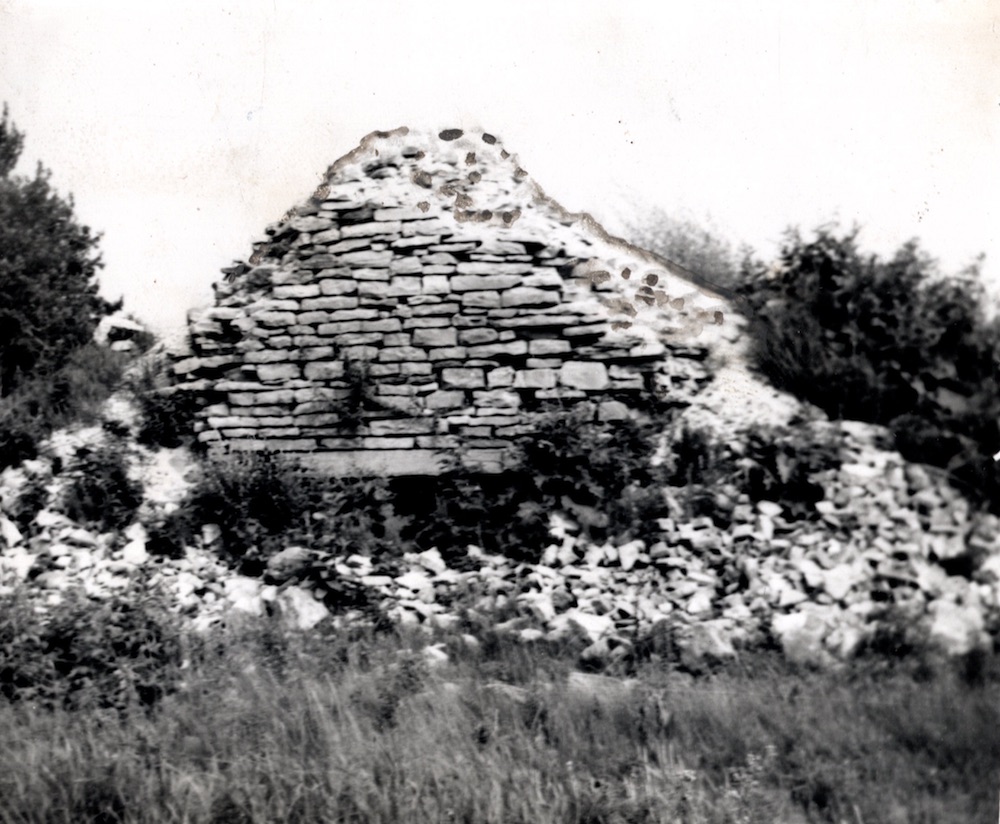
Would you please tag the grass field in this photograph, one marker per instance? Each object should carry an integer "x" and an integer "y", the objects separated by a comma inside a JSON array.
[{"x": 368, "y": 727}]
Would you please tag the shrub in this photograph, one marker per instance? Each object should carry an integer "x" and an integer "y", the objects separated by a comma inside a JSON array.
[
  {"x": 781, "y": 462},
  {"x": 462, "y": 508},
  {"x": 598, "y": 472},
  {"x": 254, "y": 497},
  {"x": 595, "y": 469},
  {"x": 31, "y": 498},
  {"x": 167, "y": 417},
  {"x": 885, "y": 341},
  {"x": 263, "y": 502},
  {"x": 73, "y": 393},
  {"x": 18, "y": 442},
  {"x": 100, "y": 491},
  {"x": 89, "y": 653},
  {"x": 354, "y": 516},
  {"x": 49, "y": 306},
  {"x": 769, "y": 463}
]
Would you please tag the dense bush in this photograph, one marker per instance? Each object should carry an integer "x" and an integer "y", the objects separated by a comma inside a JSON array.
[
  {"x": 49, "y": 305},
  {"x": 886, "y": 341},
  {"x": 51, "y": 373},
  {"x": 72, "y": 393},
  {"x": 264, "y": 502},
  {"x": 255, "y": 498},
  {"x": 88, "y": 653},
  {"x": 167, "y": 414},
  {"x": 777, "y": 464},
  {"x": 597, "y": 472},
  {"x": 600, "y": 473},
  {"x": 100, "y": 491}
]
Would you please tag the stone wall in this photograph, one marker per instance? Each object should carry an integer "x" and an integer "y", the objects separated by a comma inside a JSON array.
[{"x": 427, "y": 302}]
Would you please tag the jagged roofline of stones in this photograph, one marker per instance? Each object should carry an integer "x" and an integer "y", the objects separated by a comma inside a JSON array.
[
  {"x": 367, "y": 147},
  {"x": 368, "y": 143}
]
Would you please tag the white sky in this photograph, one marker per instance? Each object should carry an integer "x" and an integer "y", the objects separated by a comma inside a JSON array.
[{"x": 183, "y": 128}]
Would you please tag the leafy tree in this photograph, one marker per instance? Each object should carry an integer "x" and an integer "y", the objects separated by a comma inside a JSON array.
[
  {"x": 887, "y": 341},
  {"x": 49, "y": 304}
]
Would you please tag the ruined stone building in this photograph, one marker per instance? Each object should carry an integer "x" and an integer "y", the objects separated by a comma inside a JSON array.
[{"x": 424, "y": 304}]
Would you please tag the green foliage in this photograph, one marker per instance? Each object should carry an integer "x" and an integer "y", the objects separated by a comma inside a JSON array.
[
  {"x": 592, "y": 468},
  {"x": 50, "y": 371},
  {"x": 167, "y": 418},
  {"x": 353, "y": 516},
  {"x": 264, "y": 502},
  {"x": 254, "y": 497},
  {"x": 396, "y": 681},
  {"x": 777, "y": 464},
  {"x": 379, "y": 737},
  {"x": 167, "y": 414},
  {"x": 88, "y": 653},
  {"x": 30, "y": 500},
  {"x": 463, "y": 508},
  {"x": 49, "y": 304},
  {"x": 73, "y": 393},
  {"x": 886, "y": 341},
  {"x": 598, "y": 472},
  {"x": 100, "y": 491}
]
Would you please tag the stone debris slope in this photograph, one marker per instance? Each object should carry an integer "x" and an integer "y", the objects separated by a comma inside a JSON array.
[
  {"x": 889, "y": 551},
  {"x": 429, "y": 296}
]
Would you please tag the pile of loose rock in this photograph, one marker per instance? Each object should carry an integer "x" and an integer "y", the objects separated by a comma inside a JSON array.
[{"x": 891, "y": 547}]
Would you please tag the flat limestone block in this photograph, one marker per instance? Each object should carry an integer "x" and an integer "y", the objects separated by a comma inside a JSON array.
[{"x": 376, "y": 462}]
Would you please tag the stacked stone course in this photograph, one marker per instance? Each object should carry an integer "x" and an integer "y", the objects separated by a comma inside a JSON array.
[{"x": 387, "y": 323}]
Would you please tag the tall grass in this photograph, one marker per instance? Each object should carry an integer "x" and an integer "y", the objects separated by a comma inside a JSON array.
[{"x": 359, "y": 728}]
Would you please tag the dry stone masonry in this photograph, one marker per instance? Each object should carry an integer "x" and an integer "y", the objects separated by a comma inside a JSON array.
[{"x": 427, "y": 301}]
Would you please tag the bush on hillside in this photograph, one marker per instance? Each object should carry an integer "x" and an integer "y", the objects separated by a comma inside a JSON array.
[
  {"x": 49, "y": 306},
  {"x": 885, "y": 341},
  {"x": 167, "y": 415},
  {"x": 100, "y": 492},
  {"x": 599, "y": 473},
  {"x": 710, "y": 478},
  {"x": 254, "y": 497},
  {"x": 264, "y": 502},
  {"x": 84, "y": 652},
  {"x": 591, "y": 467},
  {"x": 50, "y": 371},
  {"x": 73, "y": 393}
]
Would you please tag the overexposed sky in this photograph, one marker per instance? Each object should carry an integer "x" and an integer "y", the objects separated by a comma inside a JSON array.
[{"x": 182, "y": 129}]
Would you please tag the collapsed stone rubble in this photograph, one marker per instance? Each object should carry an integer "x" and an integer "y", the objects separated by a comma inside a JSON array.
[{"x": 891, "y": 547}]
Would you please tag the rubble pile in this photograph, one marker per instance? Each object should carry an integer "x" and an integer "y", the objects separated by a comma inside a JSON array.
[{"x": 890, "y": 548}]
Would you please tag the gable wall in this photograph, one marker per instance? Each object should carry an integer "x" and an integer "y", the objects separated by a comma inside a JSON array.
[{"x": 378, "y": 339}]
